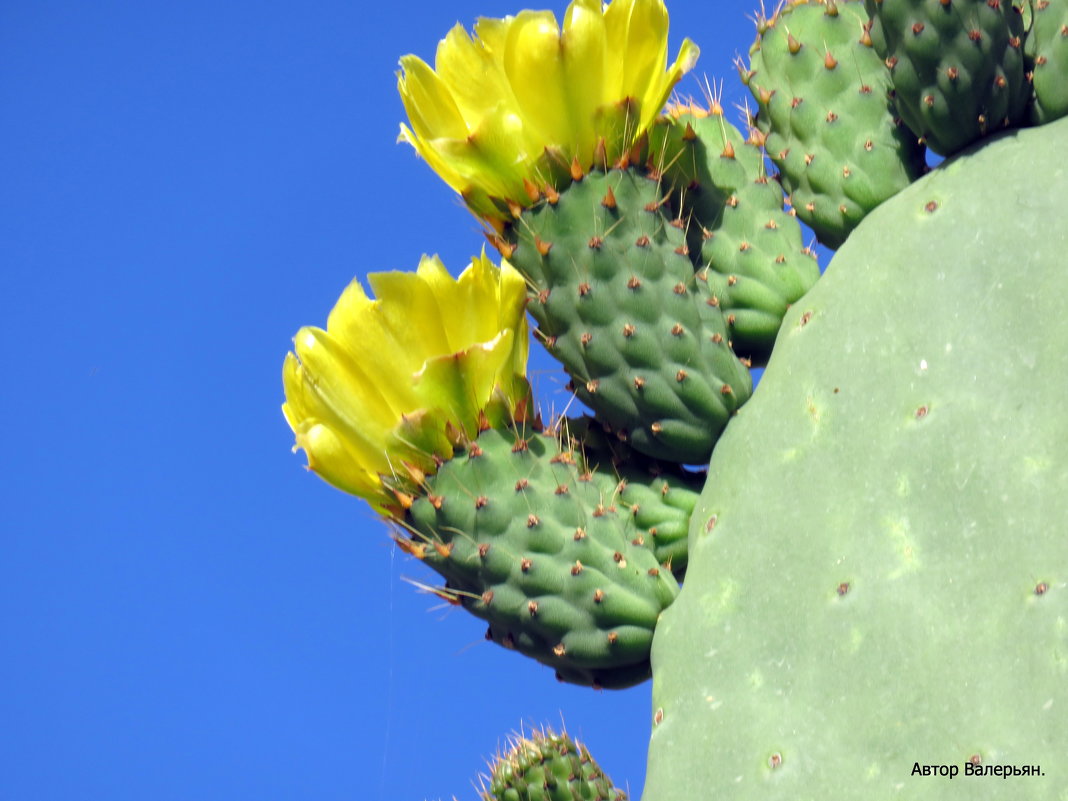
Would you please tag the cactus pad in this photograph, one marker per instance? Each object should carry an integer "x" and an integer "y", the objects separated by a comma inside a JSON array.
[
  {"x": 1047, "y": 53},
  {"x": 548, "y": 767},
  {"x": 528, "y": 541},
  {"x": 957, "y": 66},
  {"x": 660, "y": 497},
  {"x": 612, "y": 290},
  {"x": 750, "y": 260},
  {"x": 900, "y": 598},
  {"x": 826, "y": 116}
]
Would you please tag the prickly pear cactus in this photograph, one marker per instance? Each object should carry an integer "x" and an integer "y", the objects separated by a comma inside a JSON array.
[
  {"x": 957, "y": 66},
  {"x": 1047, "y": 58},
  {"x": 548, "y": 767},
  {"x": 876, "y": 581},
  {"x": 612, "y": 290},
  {"x": 826, "y": 115},
  {"x": 528, "y": 541},
  {"x": 749, "y": 259},
  {"x": 878, "y": 587}
]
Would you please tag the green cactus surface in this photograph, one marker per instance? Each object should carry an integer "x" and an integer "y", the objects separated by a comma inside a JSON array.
[
  {"x": 826, "y": 115},
  {"x": 957, "y": 66},
  {"x": 748, "y": 252},
  {"x": 660, "y": 497},
  {"x": 613, "y": 292},
  {"x": 1047, "y": 53},
  {"x": 878, "y": 580},
  {"x": 528, "y": 541},
  {"x": 548, "y": 767}
]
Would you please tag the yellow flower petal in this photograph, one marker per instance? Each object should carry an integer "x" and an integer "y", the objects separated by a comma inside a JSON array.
[
  {"x": 639, "y": 29},
  {"x": 429, "y": 102},
  {"x": 474, "y": 77},
  {"x": 334, "y": 451},
  {"x": 496, "y": 156},
  {"x": 393, "y": 378},
  {"x": 445, "y": 170},
  {"x": 536, "y": 74},
  {"x": 658, "y": 95},
  {"x": 584, "y": 50},
  {"x": 533, "y": 97}
]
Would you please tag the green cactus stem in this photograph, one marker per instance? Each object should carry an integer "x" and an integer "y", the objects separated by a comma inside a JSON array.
[
  {"x": 1047, "y": 55},
  {"x": 660, "y": 497},
  {"x": 749, "y": 258},
  {"x": 878, "y": 578}
]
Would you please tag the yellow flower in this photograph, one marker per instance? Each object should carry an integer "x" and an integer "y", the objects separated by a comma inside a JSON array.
[
  {"x": 511, "y": 108},
  {"x": 394, "y": 383}
]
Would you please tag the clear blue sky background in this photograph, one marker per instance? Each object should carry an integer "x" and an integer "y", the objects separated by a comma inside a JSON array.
[{"x": 185, "y": 613}]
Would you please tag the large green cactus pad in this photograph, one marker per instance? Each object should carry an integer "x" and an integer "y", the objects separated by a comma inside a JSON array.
[{"x": 879, "y": 569}]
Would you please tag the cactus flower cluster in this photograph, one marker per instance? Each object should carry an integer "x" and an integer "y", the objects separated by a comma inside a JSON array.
[
  {"x": 874, "y": 582},
  {"x": 522, "y": 100}
]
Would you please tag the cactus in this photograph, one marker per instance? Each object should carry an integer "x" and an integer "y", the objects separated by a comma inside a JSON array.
[
  {"x": 1047, "y": 56},
  {"x": 826, "y": 116},
  {"x": 612, "y": 290},
  {"x": 567, "y": 552},
  {"x": 901, "y": 595},
  {"x": 750, "y": 261},
  {"x": 529, "y": 542},
  {"x": 547, "y": 767},
  {"x": 659, "y": 497},
  {"x": 957, "y": 66},
  {"x": 874, "y": 574}
]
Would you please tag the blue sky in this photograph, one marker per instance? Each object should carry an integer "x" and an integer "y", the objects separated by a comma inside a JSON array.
[{"x": 185, "y": 613}]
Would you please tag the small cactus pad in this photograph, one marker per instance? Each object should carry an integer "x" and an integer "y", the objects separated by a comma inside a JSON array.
[
  {"x": 826, "y": 116},
  {"x": 547, "y": 767},
  {"x": 612, "y": 290},
  {"x": 957, "y": 66},
  {"x": 750, "y": 260},
  {"x": 1047, "y": 55},
  {"x": 528, "y": 541},
  {"x": 878, "y": 580}
]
